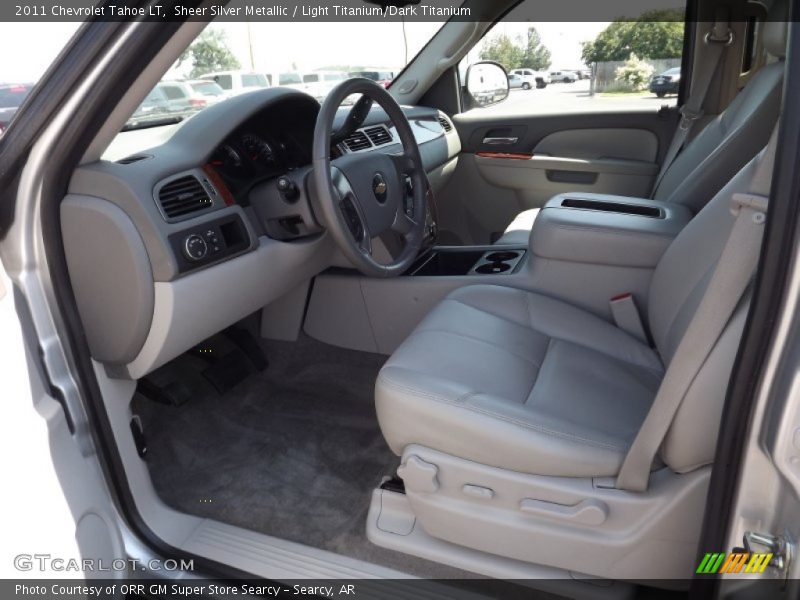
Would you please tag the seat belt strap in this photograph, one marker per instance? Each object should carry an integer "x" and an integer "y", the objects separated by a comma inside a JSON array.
[
  {"x": 626, "y": 316},
  {"x": 728, "y": 283},
  {"x": 717, "y": 39}
]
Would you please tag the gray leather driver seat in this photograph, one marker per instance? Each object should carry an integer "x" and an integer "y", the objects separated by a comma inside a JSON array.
[
  {"x": 521, "y": 381},
  {"x": 723, "y": 146}
]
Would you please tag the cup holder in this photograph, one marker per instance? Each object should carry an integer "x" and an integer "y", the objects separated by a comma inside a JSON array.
[
  {"x": 501, "y": 256},
  {"x": 495, "y": 262},
  {"x": 493, "y": 267}
]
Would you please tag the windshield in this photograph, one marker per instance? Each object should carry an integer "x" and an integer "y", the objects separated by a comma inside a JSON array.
[{"x": 236, "y": 58}]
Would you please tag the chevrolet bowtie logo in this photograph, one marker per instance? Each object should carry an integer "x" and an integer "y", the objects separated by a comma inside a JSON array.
[{"x": 379, "y": 187}]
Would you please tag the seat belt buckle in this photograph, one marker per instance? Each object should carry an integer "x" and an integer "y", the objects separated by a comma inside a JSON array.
[{"x": 626, "y": 316}]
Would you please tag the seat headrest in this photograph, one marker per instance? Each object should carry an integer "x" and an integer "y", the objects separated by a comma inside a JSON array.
[{"x": 774, "y": 32}]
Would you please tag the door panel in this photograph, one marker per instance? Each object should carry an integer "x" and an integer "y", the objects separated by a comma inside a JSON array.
[
  {"x": 597, "y": 143},
  {"x": 511, "y": 163}
]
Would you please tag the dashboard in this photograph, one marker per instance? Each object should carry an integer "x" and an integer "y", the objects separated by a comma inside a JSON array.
[
  {"x": 213, "y": 223},
  {"x": 267, "y": 145}
]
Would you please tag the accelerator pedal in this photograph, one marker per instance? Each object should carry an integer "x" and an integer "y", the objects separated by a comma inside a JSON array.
[{"x": 247, "y": 343}]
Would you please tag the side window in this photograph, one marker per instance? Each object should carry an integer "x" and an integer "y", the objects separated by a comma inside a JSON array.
[
  {"x": 629, "y": 64},
  {"x": 224, "y": 81},
  {"x": 310, "y": 78}
]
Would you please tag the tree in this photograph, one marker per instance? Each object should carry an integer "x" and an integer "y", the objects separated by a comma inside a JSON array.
[
  {"x": 501, "y": 48},
  {"x": 656, "y": 34},
  {"x": 537, "y": 56},
  {"x": 634, "y": 74},
  {"x": 208, "y": 53},
  {"x": 516, "y": 52}
]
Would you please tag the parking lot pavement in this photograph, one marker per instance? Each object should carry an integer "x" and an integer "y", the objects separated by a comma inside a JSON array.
[{"x": 575, "y": 97}]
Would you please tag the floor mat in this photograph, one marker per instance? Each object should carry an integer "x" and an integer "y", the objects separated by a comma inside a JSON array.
[{"x": 293, "y": 451}]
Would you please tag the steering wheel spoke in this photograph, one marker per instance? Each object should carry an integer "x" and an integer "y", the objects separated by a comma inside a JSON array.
[{"x": 404, "y": 222}]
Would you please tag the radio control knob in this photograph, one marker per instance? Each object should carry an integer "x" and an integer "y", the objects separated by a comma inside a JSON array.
[{"x": 195, "y": 247}]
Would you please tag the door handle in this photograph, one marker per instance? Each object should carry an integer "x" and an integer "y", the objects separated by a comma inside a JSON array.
[{"x": 500, "y": 141}]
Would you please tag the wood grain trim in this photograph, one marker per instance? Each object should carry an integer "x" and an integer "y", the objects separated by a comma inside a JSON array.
[
  {"x": 505, "y": 155},
  {"x": 217, "y": 182}
]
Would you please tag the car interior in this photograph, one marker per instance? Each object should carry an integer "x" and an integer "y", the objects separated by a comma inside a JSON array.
[{"x": 414, "y": 337}]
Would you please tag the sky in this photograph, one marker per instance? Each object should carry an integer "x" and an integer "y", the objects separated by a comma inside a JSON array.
[{"x": 278, "y": 46}]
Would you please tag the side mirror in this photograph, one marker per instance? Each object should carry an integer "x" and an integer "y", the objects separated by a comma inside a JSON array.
[{"x": 486, "y": 83}]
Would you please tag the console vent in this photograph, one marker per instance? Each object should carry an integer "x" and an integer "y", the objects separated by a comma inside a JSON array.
[
  {"x": 379, "y": 135},
  {"x": 357, "y": 141},
  {"x": 183, "y": 196},
  {"x": 445, "y": 123},
  {"x": 132, "y": 159}
]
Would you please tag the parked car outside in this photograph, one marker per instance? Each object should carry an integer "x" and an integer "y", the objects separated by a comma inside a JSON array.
[
  {"x": 237, "y": 82},
  {"x": 154, "y": 105},
  {"x": 208, "y": 90},
  {"x": 532, "y": 78},
  {"x": 563, "y": 77},
  {"x": 320, "y": 83},
  {"x": 668, "y": 82},
  {"x": 288, "y": 79},
  {"x": 181, "y": 97},
  {"x": 515, "y": 82},
  {"x": 382, "y": 76},
  {"x": 11, "y": 97}
]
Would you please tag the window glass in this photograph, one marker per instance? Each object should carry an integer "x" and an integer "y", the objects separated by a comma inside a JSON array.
[
  {"x": 207, "y": 88},
  {"x": 629, "y": 64},
  {"x": 261, "y": 53},
  {"x": 254, "y": 80},
  {"x": 27, "y": 49},
  {"x": 224, "y": 81},
  {"x": 173, "y": 92},
  {"x": 289, "y": 79}
]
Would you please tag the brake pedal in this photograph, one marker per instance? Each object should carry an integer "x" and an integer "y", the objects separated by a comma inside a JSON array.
[{"x": 174, "y": 394}]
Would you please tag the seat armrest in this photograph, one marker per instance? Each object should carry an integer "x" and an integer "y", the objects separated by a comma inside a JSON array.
[{"x": 607, "y": 230}]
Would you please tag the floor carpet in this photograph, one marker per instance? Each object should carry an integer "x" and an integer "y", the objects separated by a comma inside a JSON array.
[{"x": 293, "y": 451}]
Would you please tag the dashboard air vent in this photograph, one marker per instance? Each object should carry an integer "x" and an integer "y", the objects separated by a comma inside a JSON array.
[
  {"x": 379, "y": 135},
  {"x": 357, "y": 141},
  {"x": 183, "y": 196},
  {"x": 445, "y": 123}
]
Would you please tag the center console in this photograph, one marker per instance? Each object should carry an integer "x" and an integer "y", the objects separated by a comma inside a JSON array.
[
  {"x": 444, "y": 261},
  {"x": 606, "y": 230},
  {"x": 584, "y": 249}
]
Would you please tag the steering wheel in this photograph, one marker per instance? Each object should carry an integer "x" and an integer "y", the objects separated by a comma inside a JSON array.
[{"x": 365, "y": 195}]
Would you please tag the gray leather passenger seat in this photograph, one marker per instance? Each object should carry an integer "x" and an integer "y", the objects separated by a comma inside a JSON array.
[
  {"x": 520, "y": 381},
  {"x": 723, "y": 146}
]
